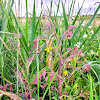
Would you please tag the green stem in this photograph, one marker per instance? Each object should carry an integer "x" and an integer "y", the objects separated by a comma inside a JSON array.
[
  {"x": 49, "y": 87},
  {"x": 1, "y": 68},
  {"x": 37, "y": 71},
  {"x": 26, "y": 22},
  {"x": 99, "y": 92},
  {"x": 17, "y": 59}
]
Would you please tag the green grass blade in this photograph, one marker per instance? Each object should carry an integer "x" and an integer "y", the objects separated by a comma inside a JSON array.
[
  {"x": 3, "y": 32},
  {"x": 78, "y": 13},
  {"x": 36, "y": 27},
  {"x": 37, "y": 69},
  {"x": 55, "y": 16},
  {"x": 49, "y": 85},
  {"x": 77, "y": 29},
  {"x": 11, "y": 6},
  {"x": 1, "y": 68},
  {"x": 58, "y": 7},
  {"x": 74, "y": 85},
  {"x": 96, "y": 95},
  {"x": 99, "y": 86},
  {"x": 94, "y": 72},
  {"x": 91, "y": 90},
  {"x": 65, "y": 17},
  {"x": 2, "y": 28},
  {"x": 8, "y": 6},
  {"x": 37, "y": 24},
  {"x": 17, "y": 61},
  {"x": 33, "y": 25},
  {"x": 70, "y": 9},
  {"x": 22, "y": 40},
  {"x": 50, "y": 8},
  {"x": 26, "y": 22},
  {"x": 99, "y": 91},
  {"x": 73, "y": 8}
]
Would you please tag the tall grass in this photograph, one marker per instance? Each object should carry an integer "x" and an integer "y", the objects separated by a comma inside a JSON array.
[{"x": 49, "y": 65}]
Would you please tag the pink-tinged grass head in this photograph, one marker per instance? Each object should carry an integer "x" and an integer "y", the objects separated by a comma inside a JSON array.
[
  {"x": 44, "y": 73},
  {"x": 71, "y": 27}
]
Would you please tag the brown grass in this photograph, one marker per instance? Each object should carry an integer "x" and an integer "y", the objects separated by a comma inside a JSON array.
[{"x": 96, "y": 21}]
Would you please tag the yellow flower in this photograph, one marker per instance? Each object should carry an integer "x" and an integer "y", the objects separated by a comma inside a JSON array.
[
  {"x": 65, "y": 73},
  {"x": 75, "y": 86},
  {"x": 99, "y": 47},
  {"x": 48, "y": 49}
]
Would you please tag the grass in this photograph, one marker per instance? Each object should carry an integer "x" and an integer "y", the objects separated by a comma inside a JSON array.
[
  {"x": 35, "y": 55},
  {"x": 22, "y": 20}
]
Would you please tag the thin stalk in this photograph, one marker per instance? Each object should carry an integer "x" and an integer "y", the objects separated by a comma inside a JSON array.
[
  {"x": 49, "y": 87},
  {"x": 59, "y": 72},
  {"x": 26, "y": 22},
  {"x": 3, "y": 24},
  {"x": 2, "y": 73},
  {"x": 99, "y": 92},
  {"x": 91, "y": 90},
  {"x": 37, "y": 69},
  {"x": 27, "y": 67},
  {"x": 17, "y": 59},
  {"x": 99, "y": 86},
  {"x": 24, "y": 63},
  {"x": 59, "y": 81},
  {"x": 6, "y": 32},
  {"x": 33, "y": 25}
]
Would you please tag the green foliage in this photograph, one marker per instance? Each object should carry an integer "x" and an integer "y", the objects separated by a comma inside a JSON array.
[{"x": 35, "y": 60}]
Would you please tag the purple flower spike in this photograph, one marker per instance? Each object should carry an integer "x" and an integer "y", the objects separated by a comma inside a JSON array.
[
  {"x": 87, "y": 67},
  {"x": 71, "y": 27},
  {"x": 44, "y": 73},
  {"x": 48, "y": 25},
  {"x": 69, "y": 38},
  {"x": 35, "y": 81}
]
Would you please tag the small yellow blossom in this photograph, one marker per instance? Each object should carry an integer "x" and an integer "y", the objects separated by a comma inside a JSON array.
[
  {"x": 75, "y": 86},
  {"x": 48, "y": 49},
  {"x": 99, "y": 47},
  {"x": 65, "y": 73}
]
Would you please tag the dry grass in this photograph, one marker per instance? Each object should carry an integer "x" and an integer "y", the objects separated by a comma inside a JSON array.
[{"x": 96, "y": 21}]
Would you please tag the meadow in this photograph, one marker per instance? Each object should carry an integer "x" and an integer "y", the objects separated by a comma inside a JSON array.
[{"x": 49, "y": 57}]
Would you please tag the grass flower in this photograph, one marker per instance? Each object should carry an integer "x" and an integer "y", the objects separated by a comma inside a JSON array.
[
  {"x": 48, "y": 49},
  {"x": 87, "y": 67},
  {"x": 71, "y": 27},
  {"x": 92, "y": 31},
  {"x": 73, "y": 18},
  {"x": 78, "y": 44},
  {"x": 85, "y": 35},
  {"x": 83, "y": 25},
  {"x": 91, "y": 51},
  {"x": 90, "y": 27},
  {"x": 82, "y": 46}
]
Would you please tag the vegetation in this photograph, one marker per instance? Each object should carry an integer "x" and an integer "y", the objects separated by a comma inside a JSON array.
[{"x": 51, "y": 58}]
